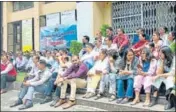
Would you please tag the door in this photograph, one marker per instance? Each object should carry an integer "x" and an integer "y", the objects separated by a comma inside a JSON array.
[{"x": 17, "y": 36}]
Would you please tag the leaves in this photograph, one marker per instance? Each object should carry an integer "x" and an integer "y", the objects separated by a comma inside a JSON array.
[
  {"x": 75, "y": 47},
  {"x": 103, "y": 29}
]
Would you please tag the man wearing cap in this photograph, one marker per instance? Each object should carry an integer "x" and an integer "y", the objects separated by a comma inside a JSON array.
[{"x": 38, "y": 83}]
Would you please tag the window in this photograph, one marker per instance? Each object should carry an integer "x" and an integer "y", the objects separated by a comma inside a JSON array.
[
  {"x": 42, "y": 21},
  {"x": 18, "y": 6},
  {"x": 148, "y": 15}
]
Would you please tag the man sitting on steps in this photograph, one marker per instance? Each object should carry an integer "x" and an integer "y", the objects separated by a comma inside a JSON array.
[
  {"x": 38, "y": 83},
  {"x": 76, "y": 77},
  {"x": 8, "y": 72}
]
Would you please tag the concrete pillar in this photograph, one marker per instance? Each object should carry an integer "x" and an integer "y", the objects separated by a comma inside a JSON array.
[
  {"x": 36, "y": 25},
  {"x": 84, "y": 20},
  {"x": 5, "y": 17}
]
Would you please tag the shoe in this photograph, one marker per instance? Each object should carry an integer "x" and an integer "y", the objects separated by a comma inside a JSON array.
[
  {"x": 85, "y": 95},
  {"x": 27, "y": 105},
  {"x": 98, "y": 97},
  {"x": 153, "y": 102},
  {"x": 69, "y": 104},
  {"x": 90, "y": 95},
  {"x": 168, "y": 106},
  {"x": 135, "y": 102},
  {"x": 46, "y": 100},
  {"x": 146, "y": 104},
  {"x": 119, "y": 100},
  {"x": 124, "y": 101},
  {"x": 60, "y": 102},
  {"x": 18, "y": 102},
  {"x": 54, "y": 102},
  {"x": 112, "y": 98}
]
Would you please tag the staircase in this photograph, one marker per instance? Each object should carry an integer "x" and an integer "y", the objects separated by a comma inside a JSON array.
[{"x": 103, "y": 103}]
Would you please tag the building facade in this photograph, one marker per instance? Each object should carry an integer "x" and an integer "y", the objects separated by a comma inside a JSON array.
[
  {"x": 89, "y": 17},
  {"x": 19, "y": 17}
]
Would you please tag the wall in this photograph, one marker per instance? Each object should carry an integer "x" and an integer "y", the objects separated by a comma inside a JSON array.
[
  {"x": 40, "y": 8},
  {"x": 102, "y": 15},
  {"x": 89, "y": 22}
]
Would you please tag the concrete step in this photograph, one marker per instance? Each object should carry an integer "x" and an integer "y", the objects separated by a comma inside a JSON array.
[
  {"x": 17, "y": 85},
  {"x": 104, "y": 104}
]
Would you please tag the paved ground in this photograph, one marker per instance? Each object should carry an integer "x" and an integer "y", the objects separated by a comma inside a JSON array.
[{"x": 11, "y": 96}]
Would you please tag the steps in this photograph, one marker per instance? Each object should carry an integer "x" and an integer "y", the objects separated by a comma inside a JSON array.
[{"x": 104, "y": 104}]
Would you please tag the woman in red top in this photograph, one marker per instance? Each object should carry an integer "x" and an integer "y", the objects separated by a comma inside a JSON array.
[
  {"x": 137, "y": 48},
  {"x": 8, "y": 72}
]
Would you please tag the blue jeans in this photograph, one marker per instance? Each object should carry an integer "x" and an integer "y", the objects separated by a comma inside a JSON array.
[
  {"x": 28, "y": 91},
  {"x": 6, "y": 78},
  {"x": 120, "y": 88},
  {"x": 50, "y": 85}
]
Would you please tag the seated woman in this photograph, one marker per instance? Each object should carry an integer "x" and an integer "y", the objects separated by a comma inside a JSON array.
[
  {"x": 95, "y": 73},
  {"x": 171, "y": 38},
  {"x": 164, "y": 66},
  {"x": 109, "y": 79},
  {"x": 158, "y": 43},
  {"x": 140, "y": 45},
  {"x": 128, "y": 69},
  {"x": 171, "y": 97},
  {"x": 146, "y": 68}
]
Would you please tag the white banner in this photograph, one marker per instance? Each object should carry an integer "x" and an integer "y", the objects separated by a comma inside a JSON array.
[
  {"x": 27, "y": 35},
  {"x": 68, "y": 17},
  {"x": 53, "y": 19}
]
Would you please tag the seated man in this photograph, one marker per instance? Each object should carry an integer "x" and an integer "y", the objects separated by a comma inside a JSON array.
[
  {"x": 100, "y": 68},
  {"x": 8, "y": 72},
  {"x": 64, "y": 65},
  {"x": 30, "y": 62},
  {"x": 21, "y": 62},
  {"x": 75, "y": 76},
  {"x": 34, "y": 69},
  {"x": 38, "y": 83},
  {"x": 50, "y": 87}
]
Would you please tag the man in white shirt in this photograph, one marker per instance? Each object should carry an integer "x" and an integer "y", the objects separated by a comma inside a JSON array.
[
  {"x": 30, "y": 62},
  {"x": 98, "y": 47},
  {"x": 38, "y": 83},
  {"x": 34, "y": 69},
  {"x": 99, "y": 36},
  {"x": 21, "y": 62},
  {"x": 109, "y": 44},
  {"x": 89, "y": 57}
]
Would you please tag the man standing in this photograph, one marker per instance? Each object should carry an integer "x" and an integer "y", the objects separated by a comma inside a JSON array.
[
  {"x": 75, "y": 76},
  {"x": 8, "y": 72},
  {"x": 38, "y": 83}
]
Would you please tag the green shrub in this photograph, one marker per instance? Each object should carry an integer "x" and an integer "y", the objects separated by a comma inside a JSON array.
[
  {"x": 103, "y": 29},
  {"x": 75, "y": 47}
]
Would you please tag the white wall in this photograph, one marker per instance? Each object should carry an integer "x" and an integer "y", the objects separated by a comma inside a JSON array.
[{"x": 84, "y": 20}]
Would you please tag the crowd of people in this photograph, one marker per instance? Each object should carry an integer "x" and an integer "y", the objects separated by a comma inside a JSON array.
[{"x": 110, "y": 62}]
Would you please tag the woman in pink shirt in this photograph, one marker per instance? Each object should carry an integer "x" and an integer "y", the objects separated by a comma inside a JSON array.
[{"x": 146, "y": 69}]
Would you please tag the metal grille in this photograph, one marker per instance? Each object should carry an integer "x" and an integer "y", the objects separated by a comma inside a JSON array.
[{"x": 148, "y": 15}]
